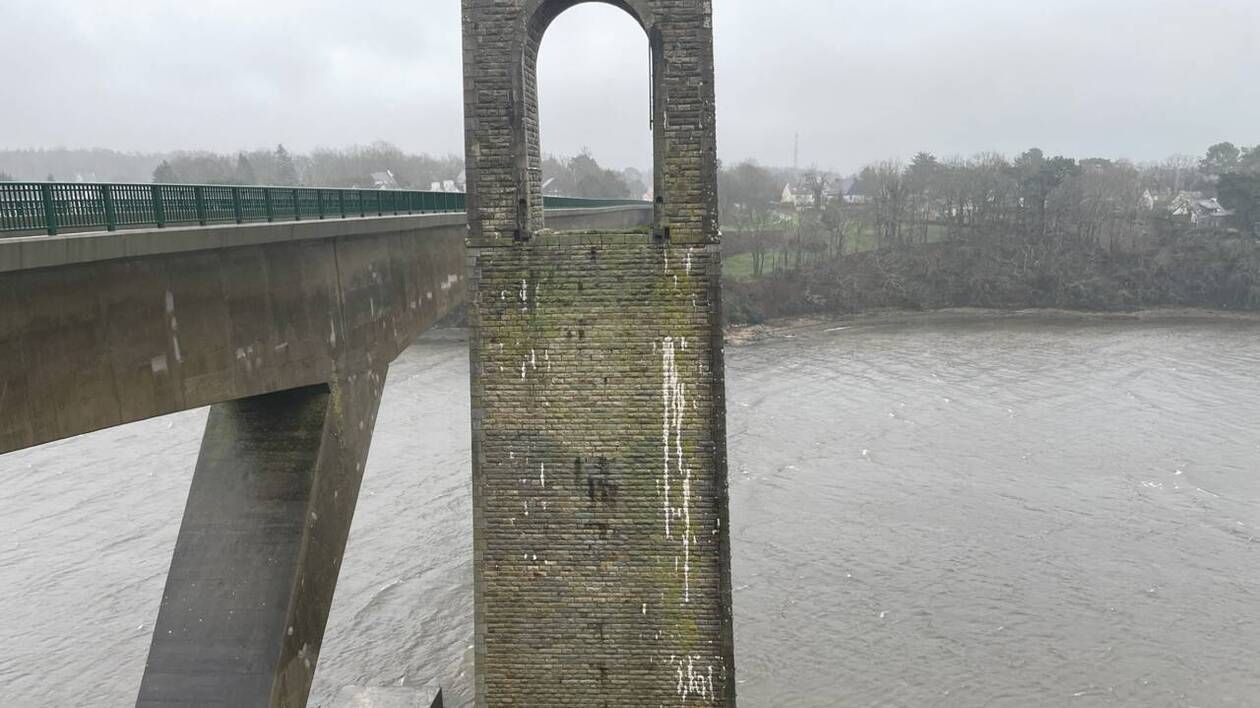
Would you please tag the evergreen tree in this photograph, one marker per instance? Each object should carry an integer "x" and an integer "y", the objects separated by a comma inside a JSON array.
[
  {"x": 165, "y": 174},
  {"x": 1240, "y": 192},
  {"x": 286, "y": 168},
  {"x": 1221, "y": 158},
  {"x": 245, "y": 170}
]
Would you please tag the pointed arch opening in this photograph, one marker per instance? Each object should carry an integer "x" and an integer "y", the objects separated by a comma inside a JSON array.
[
  {"x": 502, "y": 39},
  {"x": 594, "y": 94},
  {"x": 539, "y": 16}
]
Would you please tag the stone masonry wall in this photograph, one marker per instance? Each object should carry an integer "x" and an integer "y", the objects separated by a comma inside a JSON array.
[
  {"x": 503, "y": 155},
  {"x": 599, "y": 475},
  {"x": 602, "y": 560}
]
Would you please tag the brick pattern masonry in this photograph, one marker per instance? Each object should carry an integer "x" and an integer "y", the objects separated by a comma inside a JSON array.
[
  {"x": 600, "y": 484},
  {"x": 602, "y": 563}
]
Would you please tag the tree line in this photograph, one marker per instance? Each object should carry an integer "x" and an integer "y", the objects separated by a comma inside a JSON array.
[
  {"x": 1055, "y": 199},
  {"x": 1033, "y": 231},
  {"x": 351, "y": 167},
  {"x": 582, "y": 176}
]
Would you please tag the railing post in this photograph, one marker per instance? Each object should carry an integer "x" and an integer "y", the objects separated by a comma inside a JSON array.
[
  {"x": 341, "y": 199},
  {"x": 159, "y": 209},
  {"x": 319, "y": 202},
  {"x": 199, "y": 199},
  {"x": 236, "y": 205},
  {"x": 362, "y": 205},
  {"x": 111, "y": 214},
  {"x": 297, "y": 205},
  {"x": 50, "y": 213},
  {"x": 270, "y": 208}
]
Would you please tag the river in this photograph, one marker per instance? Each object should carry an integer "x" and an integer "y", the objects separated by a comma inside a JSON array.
[{"x": 950, "y": 510}]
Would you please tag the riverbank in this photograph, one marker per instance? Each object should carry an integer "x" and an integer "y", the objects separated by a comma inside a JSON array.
[
  {"x": 1216, "y": 270},
  {"x": 795, "y": 327}
]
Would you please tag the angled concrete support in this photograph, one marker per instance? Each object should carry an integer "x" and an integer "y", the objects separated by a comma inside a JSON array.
[{"x": 260, "y": 547}]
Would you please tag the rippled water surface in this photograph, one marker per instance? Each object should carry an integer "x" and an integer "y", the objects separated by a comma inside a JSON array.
[{"x": 950, "y": 512}]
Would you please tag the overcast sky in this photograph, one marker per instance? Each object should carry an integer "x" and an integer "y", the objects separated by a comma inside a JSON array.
[{"x": 859, "y": 80}]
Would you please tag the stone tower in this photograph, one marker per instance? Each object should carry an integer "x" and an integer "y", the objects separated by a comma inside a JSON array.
[{"x": 602, "y": 554}]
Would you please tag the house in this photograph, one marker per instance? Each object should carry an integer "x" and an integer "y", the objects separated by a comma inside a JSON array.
[
  {"x": 800, "y": 195},
  {"x": 384, "y": 180},
  {"x": 455, "y": 186},
  {"x": 1201, "y": 211},
  {"x": 789, "y": 197}
]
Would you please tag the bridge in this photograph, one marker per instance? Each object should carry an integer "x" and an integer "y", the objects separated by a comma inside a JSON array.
[{"x": 601, "y": 551}]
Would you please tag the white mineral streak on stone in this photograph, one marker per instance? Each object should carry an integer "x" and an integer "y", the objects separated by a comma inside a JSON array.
[
  {"x": 687, "y": 537},
  {"x": 690, "y": 682},
  {"x": 688, "y": 261},
  {"x": 450, "y": 281},
  {"x": 669, "y": 382},
  {"x": 542, "y": 473},
  {"x": 674, "y": 396}
]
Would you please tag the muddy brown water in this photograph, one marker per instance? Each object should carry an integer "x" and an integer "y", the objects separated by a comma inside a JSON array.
[{"x": 946, "y": 511}]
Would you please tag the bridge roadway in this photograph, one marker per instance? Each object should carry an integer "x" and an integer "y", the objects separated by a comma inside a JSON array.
[{"x": 287, "y": 330}]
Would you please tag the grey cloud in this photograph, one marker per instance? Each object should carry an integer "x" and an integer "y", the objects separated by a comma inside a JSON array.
[{"x": 859, "y": 80}]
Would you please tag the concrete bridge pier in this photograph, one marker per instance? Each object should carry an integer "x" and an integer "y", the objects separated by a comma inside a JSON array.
[{"x": 259, "y": 551}]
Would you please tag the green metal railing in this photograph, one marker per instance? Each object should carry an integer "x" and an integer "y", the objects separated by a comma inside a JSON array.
[
  {"x": 584, "y": 203},
  {"x": 52, "y": 207}
]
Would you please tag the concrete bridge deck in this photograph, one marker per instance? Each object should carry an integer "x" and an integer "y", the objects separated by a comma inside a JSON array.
[{"x": 100, "y": 329}]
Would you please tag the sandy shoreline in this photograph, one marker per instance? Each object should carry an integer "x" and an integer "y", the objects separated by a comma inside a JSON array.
[
  {"x": 787, "y": 327},
  {"x": 738, "y": 335}
]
